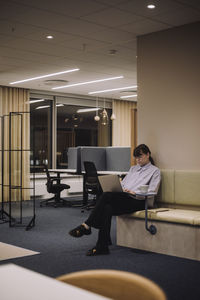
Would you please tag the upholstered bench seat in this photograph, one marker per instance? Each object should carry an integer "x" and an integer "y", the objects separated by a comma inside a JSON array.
[
  {"x": 177, "y": 220},
  {"x": 190, "y": 217}
]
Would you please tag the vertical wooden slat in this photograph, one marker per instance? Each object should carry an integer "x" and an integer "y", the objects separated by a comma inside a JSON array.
[{"x": 133, "y": 133}]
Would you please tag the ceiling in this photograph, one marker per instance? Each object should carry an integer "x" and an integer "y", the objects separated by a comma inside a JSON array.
[{"x": 85, "y": 32}]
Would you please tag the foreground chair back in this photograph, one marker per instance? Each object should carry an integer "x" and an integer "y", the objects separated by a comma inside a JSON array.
[
  {"x": 118, "y": 285},
  {"x": 91, "y": 183}
]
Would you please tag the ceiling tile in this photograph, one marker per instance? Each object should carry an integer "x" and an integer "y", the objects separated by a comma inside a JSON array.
[
  {"x": 121, "y": 52},
  {"x": 85, "y": 44},
  {"x": 26, "y": 55},
  {"x": 10, "y": 10},
  {"x": 13, "y": 61},
  {"x": 132, "y": 44},
  {"x": 145, "y": 26},
  {"x": 5, "y": 38},
  {"x": 3, "y": 69},
  {"x": 140, "y": 7},
  {"x": 111, "y": 2},
  {"x": 15, "y": 29},
  {"x": 47, "y": 20},
  {"x": 112, "y": 17},
  {"x": 58, "y": 37},
  {"x": 37, "y": 47},
  {"x": 191, "y": 3},
  {"x": 78, "y": 27},
  {"x": 179, "y": 17},
  {"x": 112, "y": 36},
  {"x": 73, "y": 8}
]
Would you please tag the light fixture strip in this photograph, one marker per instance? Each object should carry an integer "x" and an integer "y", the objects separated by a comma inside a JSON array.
[
  {"x": 86, "y": 82},
  {"x": 82, "y": 110},
  {"x": 44, "y": 76},
  {"x": 35, "y": 101},
  {"x": 41, "y": 107},
  {"x": 110, "y": 90},
  {"x": 129, "y": 96}
]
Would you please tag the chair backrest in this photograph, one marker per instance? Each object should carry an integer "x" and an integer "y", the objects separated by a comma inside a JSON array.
[
  {"x": 49, "y": 183},
  {"x": 90, "y": 169},
  {"x": 118, "y": 285},
  {"x": 46, "y": 171},
  {"x": 92, "y": 185}
]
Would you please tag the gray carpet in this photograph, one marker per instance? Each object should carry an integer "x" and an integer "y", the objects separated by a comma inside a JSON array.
[{"x": 60, "y": 253}]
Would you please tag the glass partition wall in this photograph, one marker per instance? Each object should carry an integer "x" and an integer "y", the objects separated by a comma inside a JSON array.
[{"x": 55, "y": 126}]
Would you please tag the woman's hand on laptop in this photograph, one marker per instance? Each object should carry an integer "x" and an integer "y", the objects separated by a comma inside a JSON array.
[{"x": 130, "y": 192}]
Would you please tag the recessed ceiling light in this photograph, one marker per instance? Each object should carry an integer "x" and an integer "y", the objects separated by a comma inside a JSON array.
[
  {"x": 43, "y": 76},
  {"x": 49, "y": 37},
  {"x": 117, "y": 89},
  {"x": 151, "y": 6},
  {"x": 86, "y": 82},
  {"x": 129, "y": 96}
]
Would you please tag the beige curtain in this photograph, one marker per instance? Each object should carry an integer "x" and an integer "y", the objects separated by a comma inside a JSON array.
[
  {"x": 14, "y": 100},
  {"x": 103, "y": 135},
  {"x": 122, "y": 126}
]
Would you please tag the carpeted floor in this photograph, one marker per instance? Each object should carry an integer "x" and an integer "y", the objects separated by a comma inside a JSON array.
[{"x": 60, "y": 253}]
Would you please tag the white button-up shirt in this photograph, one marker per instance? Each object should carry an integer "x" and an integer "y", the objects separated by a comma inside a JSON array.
[{"x": 137, "y": 176}]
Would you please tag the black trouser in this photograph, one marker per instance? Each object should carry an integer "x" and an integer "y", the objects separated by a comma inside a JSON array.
[{"x": 111, "y": 204}]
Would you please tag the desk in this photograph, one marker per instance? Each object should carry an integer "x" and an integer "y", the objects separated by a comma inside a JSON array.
[
  {"x": 120, "y": 173},
  {"x": 22, "y": 284},
  {"x": 59, "y": 171},
  {"x": 73, "y": 171}
]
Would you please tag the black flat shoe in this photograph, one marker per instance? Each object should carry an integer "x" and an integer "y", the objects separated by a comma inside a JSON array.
[
  {"x": 96, "y": 251},
  {"x": 80, "y": 231}
]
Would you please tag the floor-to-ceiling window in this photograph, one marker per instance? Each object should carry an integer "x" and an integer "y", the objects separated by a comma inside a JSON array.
[
  {"x": 73, "y": 128},
  {"x": 41, "y": 131},
  {"x": 77, "y": 127}
]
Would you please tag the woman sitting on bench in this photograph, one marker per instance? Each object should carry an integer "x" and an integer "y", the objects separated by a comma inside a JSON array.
[{"x": 118, "y": 203}]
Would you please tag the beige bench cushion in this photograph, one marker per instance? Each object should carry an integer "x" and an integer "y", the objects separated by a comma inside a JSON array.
[
  {"x": 190, "y": 217},
  {"x": 166, "y": 194},
  {"x": 187, "y": 187}
]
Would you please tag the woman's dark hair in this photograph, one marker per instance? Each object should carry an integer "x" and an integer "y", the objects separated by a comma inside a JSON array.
[{"x": 142, "y": 148}]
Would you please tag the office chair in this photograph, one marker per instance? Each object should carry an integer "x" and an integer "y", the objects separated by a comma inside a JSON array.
[
  {"x": 117, "y": 285},
  {"x": 91, "y": 183},
  {"x": 54, "y": 187}
]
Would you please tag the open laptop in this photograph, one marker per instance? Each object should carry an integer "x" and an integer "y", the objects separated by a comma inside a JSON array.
[{"x": 110, "y": 183}]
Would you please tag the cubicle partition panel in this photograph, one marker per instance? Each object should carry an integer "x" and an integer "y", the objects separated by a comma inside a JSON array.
[
  {"x": 94, "y": 154},
  {"x": 104, "y": 158},
  {"x": 118, "y": 158},
  {"x": 74, "y": 159}
]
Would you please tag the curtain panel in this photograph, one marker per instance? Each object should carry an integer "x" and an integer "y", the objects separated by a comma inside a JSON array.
[
  {"x": 15, "y": 100},
  {"x": 122, "y": 125}
]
